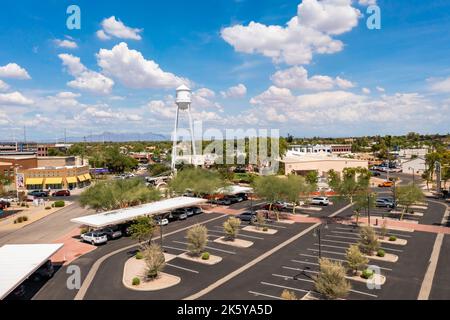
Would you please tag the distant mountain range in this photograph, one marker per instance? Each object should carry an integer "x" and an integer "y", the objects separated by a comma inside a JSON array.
[{"x": 119, "y": 137}]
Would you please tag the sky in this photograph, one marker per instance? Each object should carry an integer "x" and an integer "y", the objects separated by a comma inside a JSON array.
[{"x": 308, "y": 68}]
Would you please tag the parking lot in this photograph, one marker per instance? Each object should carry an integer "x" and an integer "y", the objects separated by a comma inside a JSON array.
[{"x": 294, "y": 266}]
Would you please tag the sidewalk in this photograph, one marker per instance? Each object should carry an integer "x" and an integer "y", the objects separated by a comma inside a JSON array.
[
  {"x": 72, "y": 249},
  {"x": 408, "y": 225}
]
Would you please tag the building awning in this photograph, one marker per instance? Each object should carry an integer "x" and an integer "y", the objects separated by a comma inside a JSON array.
[
  {"x": 81, "y": 178},
  {"x": 88, "y": 176},
  {"x": 34, "y": 181},
  {"x": 19, "y": 261},
  {"x": 123, "y": 215},
  {"x": 53, "y": 180},
  {"x": 71, "y": 179}
]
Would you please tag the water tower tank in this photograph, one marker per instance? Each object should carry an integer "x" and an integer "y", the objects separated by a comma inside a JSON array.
[{"x": 183, "y": 99}]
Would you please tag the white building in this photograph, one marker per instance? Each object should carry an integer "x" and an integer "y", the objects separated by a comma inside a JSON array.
[
  {"x": 417, "y": 165},
  {"x": 320, "y": 149}
]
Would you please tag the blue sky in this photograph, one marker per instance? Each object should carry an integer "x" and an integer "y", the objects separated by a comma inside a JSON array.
[{"x": 324, "y": 74}]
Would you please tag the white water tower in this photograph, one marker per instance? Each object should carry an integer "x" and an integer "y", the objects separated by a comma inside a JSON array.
[{"x": 183, "y": 101}]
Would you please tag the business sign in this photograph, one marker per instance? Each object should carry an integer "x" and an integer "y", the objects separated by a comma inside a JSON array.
[{"x": 20, "y": 181}]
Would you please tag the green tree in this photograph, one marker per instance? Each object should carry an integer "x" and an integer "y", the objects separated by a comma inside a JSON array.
[
  {"x": 364, "y": 200},
  {"x": 197, "y": 237},
  {"x": 111, "y": 195},
  {"x": 295, "y": 188},
  {"x": 368, "y": 240},
  {"x": 355, "y": 259},
  {"x": 270, "y": 189},
  {"x": 353, "y": 181},
  {"x": 331, "y": 280},
  {"x": 155, "y": 260},
  {"x": 142, "y": 229},
  {"x": 4, "y": 181},
  {"x": 312, "y": 178},
  {"x": 199, "y": 181},
  {"x": 157, "y": 169},
  {"x": 407, "y": 196}
]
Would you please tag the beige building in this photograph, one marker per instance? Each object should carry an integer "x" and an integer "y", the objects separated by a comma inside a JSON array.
[
  {"x": 301, "y": 165},
  {"x": 56, "y": 178}
]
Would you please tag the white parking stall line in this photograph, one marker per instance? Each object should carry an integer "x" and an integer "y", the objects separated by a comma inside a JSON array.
[
  {"x": 265, "y": 295},
  {"x": 342, "y": 237},
  {"x": 174, "y": 248},
  {"x": 345, "y": 248},
  {"x": 357, "y": 233},
  {"x": 208, "y": 247},
  {"x": 283, "y": 287},
  {"x": 351, "y": 290},
  {"x": 326, "y": 251},
  {"x": 240, "y": 235},
  {"x": 334, "y": 259},
  {"x": 292, "y": 278},
  {"x": 181, "y": 268}
]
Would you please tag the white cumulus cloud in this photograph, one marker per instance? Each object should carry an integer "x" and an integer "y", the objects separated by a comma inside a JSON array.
[
  {"x": 14, "y": 71},
  {"x": 296, "y": 78},
  {"x": 441, "y": 85},
  {"x": 307, "y": 33},
  {"x": 14, "y": 98},
  {"x": 85, "y": 79},
  {"x": 3, "y": 86},
  {"x": 133, "y": 70},
  {"x": 116, "y": 28},
  {"x": 238, "y": 91},
  {"x": 69, "y": 44}
]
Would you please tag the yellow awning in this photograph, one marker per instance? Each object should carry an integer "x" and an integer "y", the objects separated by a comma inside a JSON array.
[
  {"x": 34, "y": 181},
  {"x": 81, "y": 178},
  {"x": 71, "y": 179},
  {"x": 53, "y": 180},
  {"x": 88, "y": 176}
]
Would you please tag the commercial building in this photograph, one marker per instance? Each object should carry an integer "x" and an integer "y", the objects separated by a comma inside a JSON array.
[
  {"x": 320, "y": 149},
  {"x": 416, "y": 166},
  {"x": 46, "y": 172},
  {"x": 56, "y": 178},
  {"x": 302, "y": 165}
]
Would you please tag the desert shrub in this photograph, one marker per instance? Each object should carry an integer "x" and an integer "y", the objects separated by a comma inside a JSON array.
[
  {"x": 59, "y": 204},
  {"x": 21, "y": 219},
  {"x": 197, "y": 237},
  {"x": 205, "y": 256},
  {"x": 231, "y": 228},
  {"x": 136, "y": 281},
  {"x": 355, "y": 259},
  {"x": 367, "y": 274},
  {"x": 368, "y": 240},
  {"x": 381, "y": 253},
  {"x": 48, "y": 208},
  {"x": 139, "y": 255},
  {"x": 288, "y": 295},
  {"x": 154, "y": 259},
  {"x": 260, "y": 220},
  {"x": 392, "y": 238},
  {"x": 265, "y": 229},
  {"x": 331, "y": 281}
]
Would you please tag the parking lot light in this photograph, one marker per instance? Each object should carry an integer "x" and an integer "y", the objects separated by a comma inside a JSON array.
[{"x": 317, "y": 233}]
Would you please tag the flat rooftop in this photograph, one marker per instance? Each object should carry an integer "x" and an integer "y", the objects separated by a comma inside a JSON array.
[{"x": 19, "y": 261}]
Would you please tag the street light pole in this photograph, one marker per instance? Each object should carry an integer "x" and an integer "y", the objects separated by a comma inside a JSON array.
[{"x": 368, "y": 208}]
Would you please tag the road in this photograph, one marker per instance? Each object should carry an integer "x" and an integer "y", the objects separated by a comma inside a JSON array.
[{"x": 46, "y": 229}]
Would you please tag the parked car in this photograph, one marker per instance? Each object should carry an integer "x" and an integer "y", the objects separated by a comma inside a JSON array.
[
  {"x": 38, "y": 193},
  {"x": 384, "y": 203},
  {"x": 19, "y": 292},
  {"x": 375, "y": 173},
  {"x": 161, "y": 221},
  {"x": 95, "y": 238},
  {"x": 247, "y": 216},
  {"x": 276, "y": 206},
  {"x": 386, "y": 184},
  {"x": 111, "y": 232},
  {"x": 196, "y": 210},
  {"x": 45, "y": 271},
  {"x": 188, "y": 211},
  {"x": 5, "y": 204},
  {"x": 177, "y": 215},
  {"x": 242, "y": 196},
  {"x": 61, "y": 193},
  {"x": 321, "y": 201},
  {"x": 223, "y": 202},
  {"x": 125, "y": 228}
]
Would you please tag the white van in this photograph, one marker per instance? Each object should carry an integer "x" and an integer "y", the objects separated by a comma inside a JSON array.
[{"x": 321, "y": 201}]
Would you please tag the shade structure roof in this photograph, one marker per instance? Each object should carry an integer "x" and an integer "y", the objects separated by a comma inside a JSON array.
[
  {"x": 123, "y": 215},
  {"x": 235, "y": 190},
  {"x": 19, "y": 261}
]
